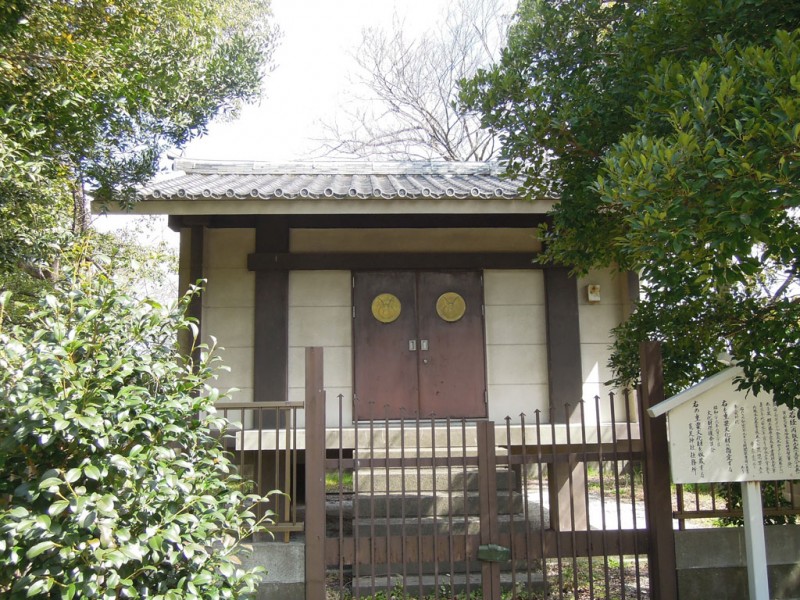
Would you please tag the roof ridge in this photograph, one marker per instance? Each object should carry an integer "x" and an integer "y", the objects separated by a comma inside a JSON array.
[{"x": 441, "y": 167}]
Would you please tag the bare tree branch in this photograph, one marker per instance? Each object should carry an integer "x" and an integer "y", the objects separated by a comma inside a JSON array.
[
  {"x": 403, "y": 101},
  {"x": 791, "y": 274}
]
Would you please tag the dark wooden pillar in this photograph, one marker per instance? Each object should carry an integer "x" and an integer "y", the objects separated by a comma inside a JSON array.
[
  {"x": 658, "y": 494},
  {"x": 630, "y": 297},
  {"x": 567, "y": 482},
  {"x": 196, "y": 272},
  {"x": 565, "y": 379},
  {"x": 271, "y": 352}
]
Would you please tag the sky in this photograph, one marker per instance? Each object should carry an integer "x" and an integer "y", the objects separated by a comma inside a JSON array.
[{"x": 314, "y": 67}]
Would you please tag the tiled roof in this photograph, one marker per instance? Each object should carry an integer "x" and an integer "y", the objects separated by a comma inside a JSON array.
[{"x": 320, "y": 180}]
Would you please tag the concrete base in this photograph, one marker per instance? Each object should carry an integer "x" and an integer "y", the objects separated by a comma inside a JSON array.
[
  {"x": 285, "y": 564},
  {"x": 281, "y": 591},
  {"x": 445, "y": 583},
  {"x": 712, "y": 564}
]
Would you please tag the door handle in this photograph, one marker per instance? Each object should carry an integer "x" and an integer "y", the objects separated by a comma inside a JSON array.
[
  {"x": 412, "y": 345},
  {"x": 423, "y": 345}
]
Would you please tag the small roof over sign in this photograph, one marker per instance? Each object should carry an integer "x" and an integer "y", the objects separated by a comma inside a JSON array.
[{"x": 723, "y": 378}]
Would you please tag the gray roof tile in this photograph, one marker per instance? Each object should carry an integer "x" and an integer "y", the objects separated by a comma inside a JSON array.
[{"x": 319, "y": 180}]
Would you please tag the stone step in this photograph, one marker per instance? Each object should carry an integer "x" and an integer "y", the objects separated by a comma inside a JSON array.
[
  {"x": 340, "y": 516},
  {"x": 470, "y": 525},
  {"x": 411, "y": 452},
  {"x": 413, "y": 568},
  {"x": 451, "y": 584},
  {"x": 426, "y": 480},
  {"x": 427, "y": 505},
  {"x": 411, "y": 437}
]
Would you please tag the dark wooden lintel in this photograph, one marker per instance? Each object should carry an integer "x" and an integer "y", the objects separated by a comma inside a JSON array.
[
  {"x": 281, "y": 261},
  {"x": 347, "y": 221},
  {"x": 176, "y": 222}
]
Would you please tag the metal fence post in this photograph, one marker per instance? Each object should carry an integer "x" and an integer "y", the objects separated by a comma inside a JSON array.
[
  {"x": 315, "y": 476},
  {"x": 658, "y": 495},
  {"x": 487, "y": 478}
]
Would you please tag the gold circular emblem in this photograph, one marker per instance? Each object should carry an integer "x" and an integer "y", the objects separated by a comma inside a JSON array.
[
  {"x": 386, "y": 308},
  {"x": 451, "y": 306}
]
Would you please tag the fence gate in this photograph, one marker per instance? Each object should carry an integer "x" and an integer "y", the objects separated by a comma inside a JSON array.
[
  {"x": 529, "y": 508},
  {"x": 429, "y": 508}
]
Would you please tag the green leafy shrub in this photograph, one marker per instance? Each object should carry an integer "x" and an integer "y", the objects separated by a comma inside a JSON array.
[{"x": 113, "y": 483}]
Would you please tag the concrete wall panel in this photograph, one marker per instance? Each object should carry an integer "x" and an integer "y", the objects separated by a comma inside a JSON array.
[
  {"x": 516, "y": 352},
  {"x": 596, "y": 322},
  {"x": 338, "y": 366},
  {"x": 229, "y": 287},
  {"x": 712, "y": 563},
  {"x": 229, "y": 247},
  {"x": 232, "y": 327},
  {"x": 240, "y": 361},
  {"x": 513, "y": 288},
  {"x": 320, "y": 314},
  {"x": 515, "y": 325},
  {"x": 511, "y": 400},
  {"x": 228, "y": 305},
  {"x": 320, "y": 326},
  {"x": 507, "y": 364},
  {"x": 320, "y": 288}
]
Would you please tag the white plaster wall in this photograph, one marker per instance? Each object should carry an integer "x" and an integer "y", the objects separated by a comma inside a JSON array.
[
  {"x": 229, "y": 306},
  {"x": 516, "y": 343},
  {"x": 320, "y": 314},
  {"x": 596, "y": 324},
  {"x": 516, "y": 337}
]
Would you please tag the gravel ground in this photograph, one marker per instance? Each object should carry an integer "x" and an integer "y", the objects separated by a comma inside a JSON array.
[{"x": 622, "y": 584}]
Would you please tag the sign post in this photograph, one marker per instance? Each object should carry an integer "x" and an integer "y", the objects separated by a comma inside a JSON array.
[
  {"x": 755, "y": 547},
  {"x": 720, "y": 434}
]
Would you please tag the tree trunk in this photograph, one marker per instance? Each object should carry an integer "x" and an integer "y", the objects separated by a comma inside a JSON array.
[{"x": 80, "y": 209}]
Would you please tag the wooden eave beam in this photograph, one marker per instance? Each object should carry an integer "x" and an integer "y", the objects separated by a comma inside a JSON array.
[
  {"x": 177, "y": 222},
  {"x": 284, "y": 261},
  {"x": 339, "y": 221}
]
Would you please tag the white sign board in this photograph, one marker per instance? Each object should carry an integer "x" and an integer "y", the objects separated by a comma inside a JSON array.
[{"x": 720, "y": 434}]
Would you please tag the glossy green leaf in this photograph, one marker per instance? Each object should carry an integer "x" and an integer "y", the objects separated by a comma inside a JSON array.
[{"x": 39, "y": 548}]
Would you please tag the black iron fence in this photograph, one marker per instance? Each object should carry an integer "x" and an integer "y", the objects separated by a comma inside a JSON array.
[
  {"x": 533, "y": 507},
  {"x": 574, "y": 503}
]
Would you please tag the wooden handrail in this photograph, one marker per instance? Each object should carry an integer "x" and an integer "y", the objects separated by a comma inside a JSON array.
[{"x": 263, "y": 404}]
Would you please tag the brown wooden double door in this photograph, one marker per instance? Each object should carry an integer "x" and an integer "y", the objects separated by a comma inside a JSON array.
[{"x": 418, "y": 344}]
